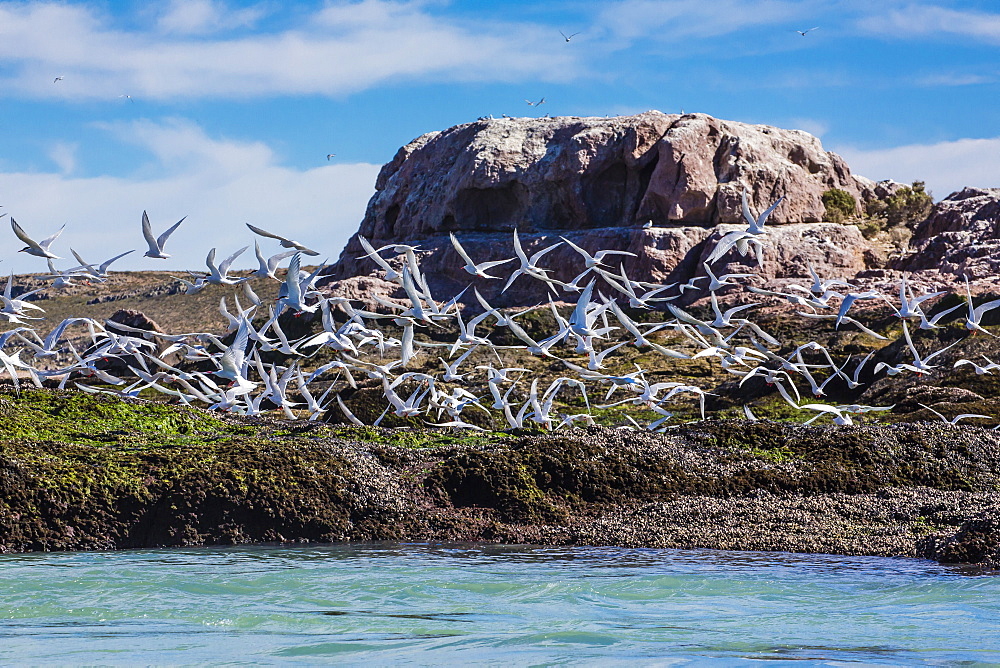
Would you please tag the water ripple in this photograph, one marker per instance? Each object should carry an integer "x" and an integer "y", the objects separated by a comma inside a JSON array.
[{"x": 433, "y": 604}]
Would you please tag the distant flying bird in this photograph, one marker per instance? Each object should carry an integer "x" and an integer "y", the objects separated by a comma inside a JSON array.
[
  {"x": 129, "y": 97},
  {"x": 88, "y": 270},
  {"x": 803, "y": 32},
  {"x": 331, "y": 155},
  {"x": 535, "y": 104},
  {"x": 568, "y": 37},
  {"x": 36, "y": 248},
  {"x": 285, "y": 243},
  {"x": 220, "y": 273},
  {"x": 954, "y": 420},
  {"x": 156, "y": 244},
  {"x": 57, "y": 79},
  {"x": 470, "y": 266}
]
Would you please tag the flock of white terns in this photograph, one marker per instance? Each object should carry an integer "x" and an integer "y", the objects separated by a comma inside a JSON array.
[{"x": 240, "y": 381}]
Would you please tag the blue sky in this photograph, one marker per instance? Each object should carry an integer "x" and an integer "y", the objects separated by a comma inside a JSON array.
[{"x": 225, "y": 112}]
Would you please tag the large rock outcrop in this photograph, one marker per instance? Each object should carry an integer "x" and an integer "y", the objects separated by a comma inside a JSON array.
[
  {"x": 597, "y": 181},
  {"x": 960, "y": 237}
]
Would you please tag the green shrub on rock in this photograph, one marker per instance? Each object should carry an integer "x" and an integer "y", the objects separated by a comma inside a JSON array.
[
  {"x": 839, "y": 204},
  {"x": 909, "y": 206}
]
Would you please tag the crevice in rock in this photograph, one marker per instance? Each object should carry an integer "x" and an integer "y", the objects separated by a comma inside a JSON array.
[
  {"x": 604, "y": 196},
  {"x": 391, "y": 216},
  {"x": 645, "y": 176},
  {"x": 720, "y": 161},
  {"x": 488, "y": 209}
]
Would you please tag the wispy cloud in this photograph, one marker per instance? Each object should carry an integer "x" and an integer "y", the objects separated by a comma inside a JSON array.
[
  {"x": 815, "y": 127},
  {"x": 219, "y": 184},
  {"x": 945, "y": 166},
  {"x": 199, "y": 17},
  {"x": 63, "y": 154},
  {"x": 340, "y": 48},
  {"x": 678, "y": 19},
  {"x": 916, "y": 20},
  {"x": 955, "y": 79}
]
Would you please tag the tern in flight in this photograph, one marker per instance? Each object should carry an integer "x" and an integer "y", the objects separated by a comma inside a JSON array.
[
  {"x": 57, "y": 79},
  {"x": 36, "y": 248},
  {"x": 285, "y": 243},
  {"x": 980, "y": 369},
  {"x": 757, "y": 225},
  {"x": 803, "y": 32},
  {"x": 568, "y": 37},
  {"x": 331, "y": 155},
  {"x": 595, "y": 260},
  {"x": 529, "y": 267},
  {"x": 220, "y": 273},
  {"x": 156, "y": 244},
  {"x": 535, "y": 104},
  {"x": 473, "y": 268},
  {"x": 954, "y": 420},
  {"x": 100, "y": 274},
  {"x": 974, "y": 319},
  {"x": 840, "y": 416}
]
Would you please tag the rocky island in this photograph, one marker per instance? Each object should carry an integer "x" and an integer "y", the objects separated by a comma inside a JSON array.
[{"x": 96, "y": 470}]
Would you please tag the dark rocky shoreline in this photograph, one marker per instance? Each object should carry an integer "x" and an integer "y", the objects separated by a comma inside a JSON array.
[{"x": 81, "y": 472}]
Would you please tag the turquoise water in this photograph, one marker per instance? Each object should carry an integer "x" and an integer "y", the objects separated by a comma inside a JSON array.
[{"x": 499, "y": 605}]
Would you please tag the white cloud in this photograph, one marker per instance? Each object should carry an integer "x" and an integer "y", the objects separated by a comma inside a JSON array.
[
  {"x": 195, "y": 17},
  {"x": 955, "y": 79},
  {"x": 63, "y": 154},
  {"x": 946, "y": 166},
  {"x": 931, "y": 20},
  {"x": 816, "y": 128},
  {"x": 219, "y": 184},
  {"x": 668, "y": 20},
  {"x": 342, "y": 48},
  {"x": 181, "y": 146}
]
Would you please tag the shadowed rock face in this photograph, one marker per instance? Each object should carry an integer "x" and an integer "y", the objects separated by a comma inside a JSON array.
[
  {"x": 598, "y": 181},
  {"x": 960, "y": 237}
]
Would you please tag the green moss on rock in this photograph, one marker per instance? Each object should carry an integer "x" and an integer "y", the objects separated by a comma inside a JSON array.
[{"x": 82, "y": 471}]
